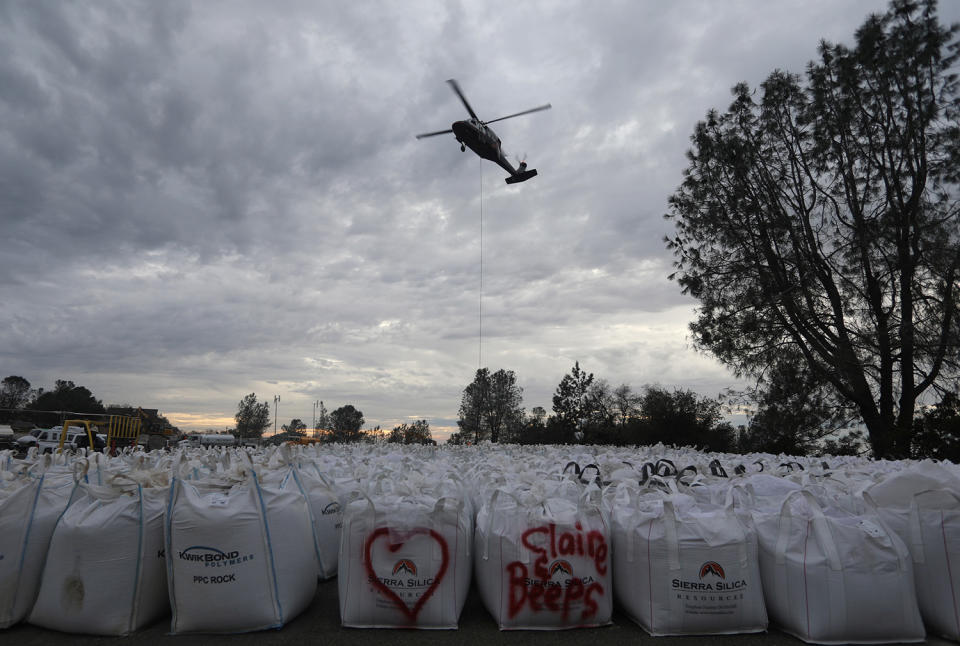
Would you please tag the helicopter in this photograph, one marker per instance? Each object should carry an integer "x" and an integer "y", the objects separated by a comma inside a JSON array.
[{"x": 481, "y": 139}]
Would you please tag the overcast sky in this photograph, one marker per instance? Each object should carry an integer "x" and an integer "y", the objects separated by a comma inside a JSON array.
[{"x": 200, "y": 200}]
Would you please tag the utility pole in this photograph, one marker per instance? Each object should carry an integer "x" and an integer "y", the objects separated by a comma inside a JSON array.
[{"x": 276, "y": 400}]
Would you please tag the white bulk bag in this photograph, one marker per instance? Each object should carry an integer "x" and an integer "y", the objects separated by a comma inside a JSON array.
[
  {"x": 546, "y": 566},
  {"x": 238, "y": 560},
  {"x": 404, "y": 562},
  {"x": 896, "y": 489},
  {"x": 767, "y": 491},
  {"x": 325, "y": 515},
  {"x": 105, "y": 572},
  {"x": 682, "y": 568},
  {"x": 836, "y": 578},
  {"x": 29, "y": 508},
  {"x": 930, "y": 527},
  {"x": 327, "y": 519}
]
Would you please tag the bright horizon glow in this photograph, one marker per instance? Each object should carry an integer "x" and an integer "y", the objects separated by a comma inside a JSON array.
[{"x": 196, "y": 423}]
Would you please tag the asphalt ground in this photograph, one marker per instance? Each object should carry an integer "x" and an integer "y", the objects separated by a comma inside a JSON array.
[{"x": 320, "y": 624}]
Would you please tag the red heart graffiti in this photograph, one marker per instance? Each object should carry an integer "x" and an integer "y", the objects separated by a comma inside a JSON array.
[{"x": 411, "y": 613}]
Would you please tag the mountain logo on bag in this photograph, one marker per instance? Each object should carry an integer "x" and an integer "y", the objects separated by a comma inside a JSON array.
[
  {"x": 405, "y": 565},
  {"x": 712, "y": 567},
  {"x": 332, "y": 508},
  {"x": 561, "y": 566}
]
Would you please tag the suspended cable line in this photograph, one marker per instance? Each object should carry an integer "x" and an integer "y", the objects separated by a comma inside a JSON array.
[{"x": 480, "y": 309}]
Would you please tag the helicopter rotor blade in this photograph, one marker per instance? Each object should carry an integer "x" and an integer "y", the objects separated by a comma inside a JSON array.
[
  {"x": 433, "y": 134},
  {"x": 456, "y": 88},
  {"x": 510, "y": 116}
]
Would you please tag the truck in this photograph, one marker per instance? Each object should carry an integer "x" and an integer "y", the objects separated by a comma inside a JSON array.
[{"x": 208, "y": 439}]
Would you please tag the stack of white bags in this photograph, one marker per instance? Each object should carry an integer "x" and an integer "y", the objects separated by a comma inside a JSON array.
[{"x": 831, "y": 550}]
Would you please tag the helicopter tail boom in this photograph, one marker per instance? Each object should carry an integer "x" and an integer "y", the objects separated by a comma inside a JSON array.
[{"x": 521, "y": 176}]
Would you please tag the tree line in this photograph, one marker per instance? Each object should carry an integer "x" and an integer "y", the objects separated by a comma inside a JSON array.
[
  {"x": 588, "y": 410},
  {"x": 17, "y": 394},
  {"x": 343, "y": 424},
  {"x": 790, "y": 420},
  {"x": 23, "y": 404}
]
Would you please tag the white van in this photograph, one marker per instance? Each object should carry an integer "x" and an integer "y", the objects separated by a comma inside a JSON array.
[{"x": 49, "y": 441}]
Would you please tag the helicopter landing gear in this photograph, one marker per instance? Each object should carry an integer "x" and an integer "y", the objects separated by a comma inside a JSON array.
[{"x": 463, "y": 148}]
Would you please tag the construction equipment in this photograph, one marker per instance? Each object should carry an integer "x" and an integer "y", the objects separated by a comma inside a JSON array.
[
  {"x": 121, "y": 431},
  {"x": 87, "y": 424}
]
